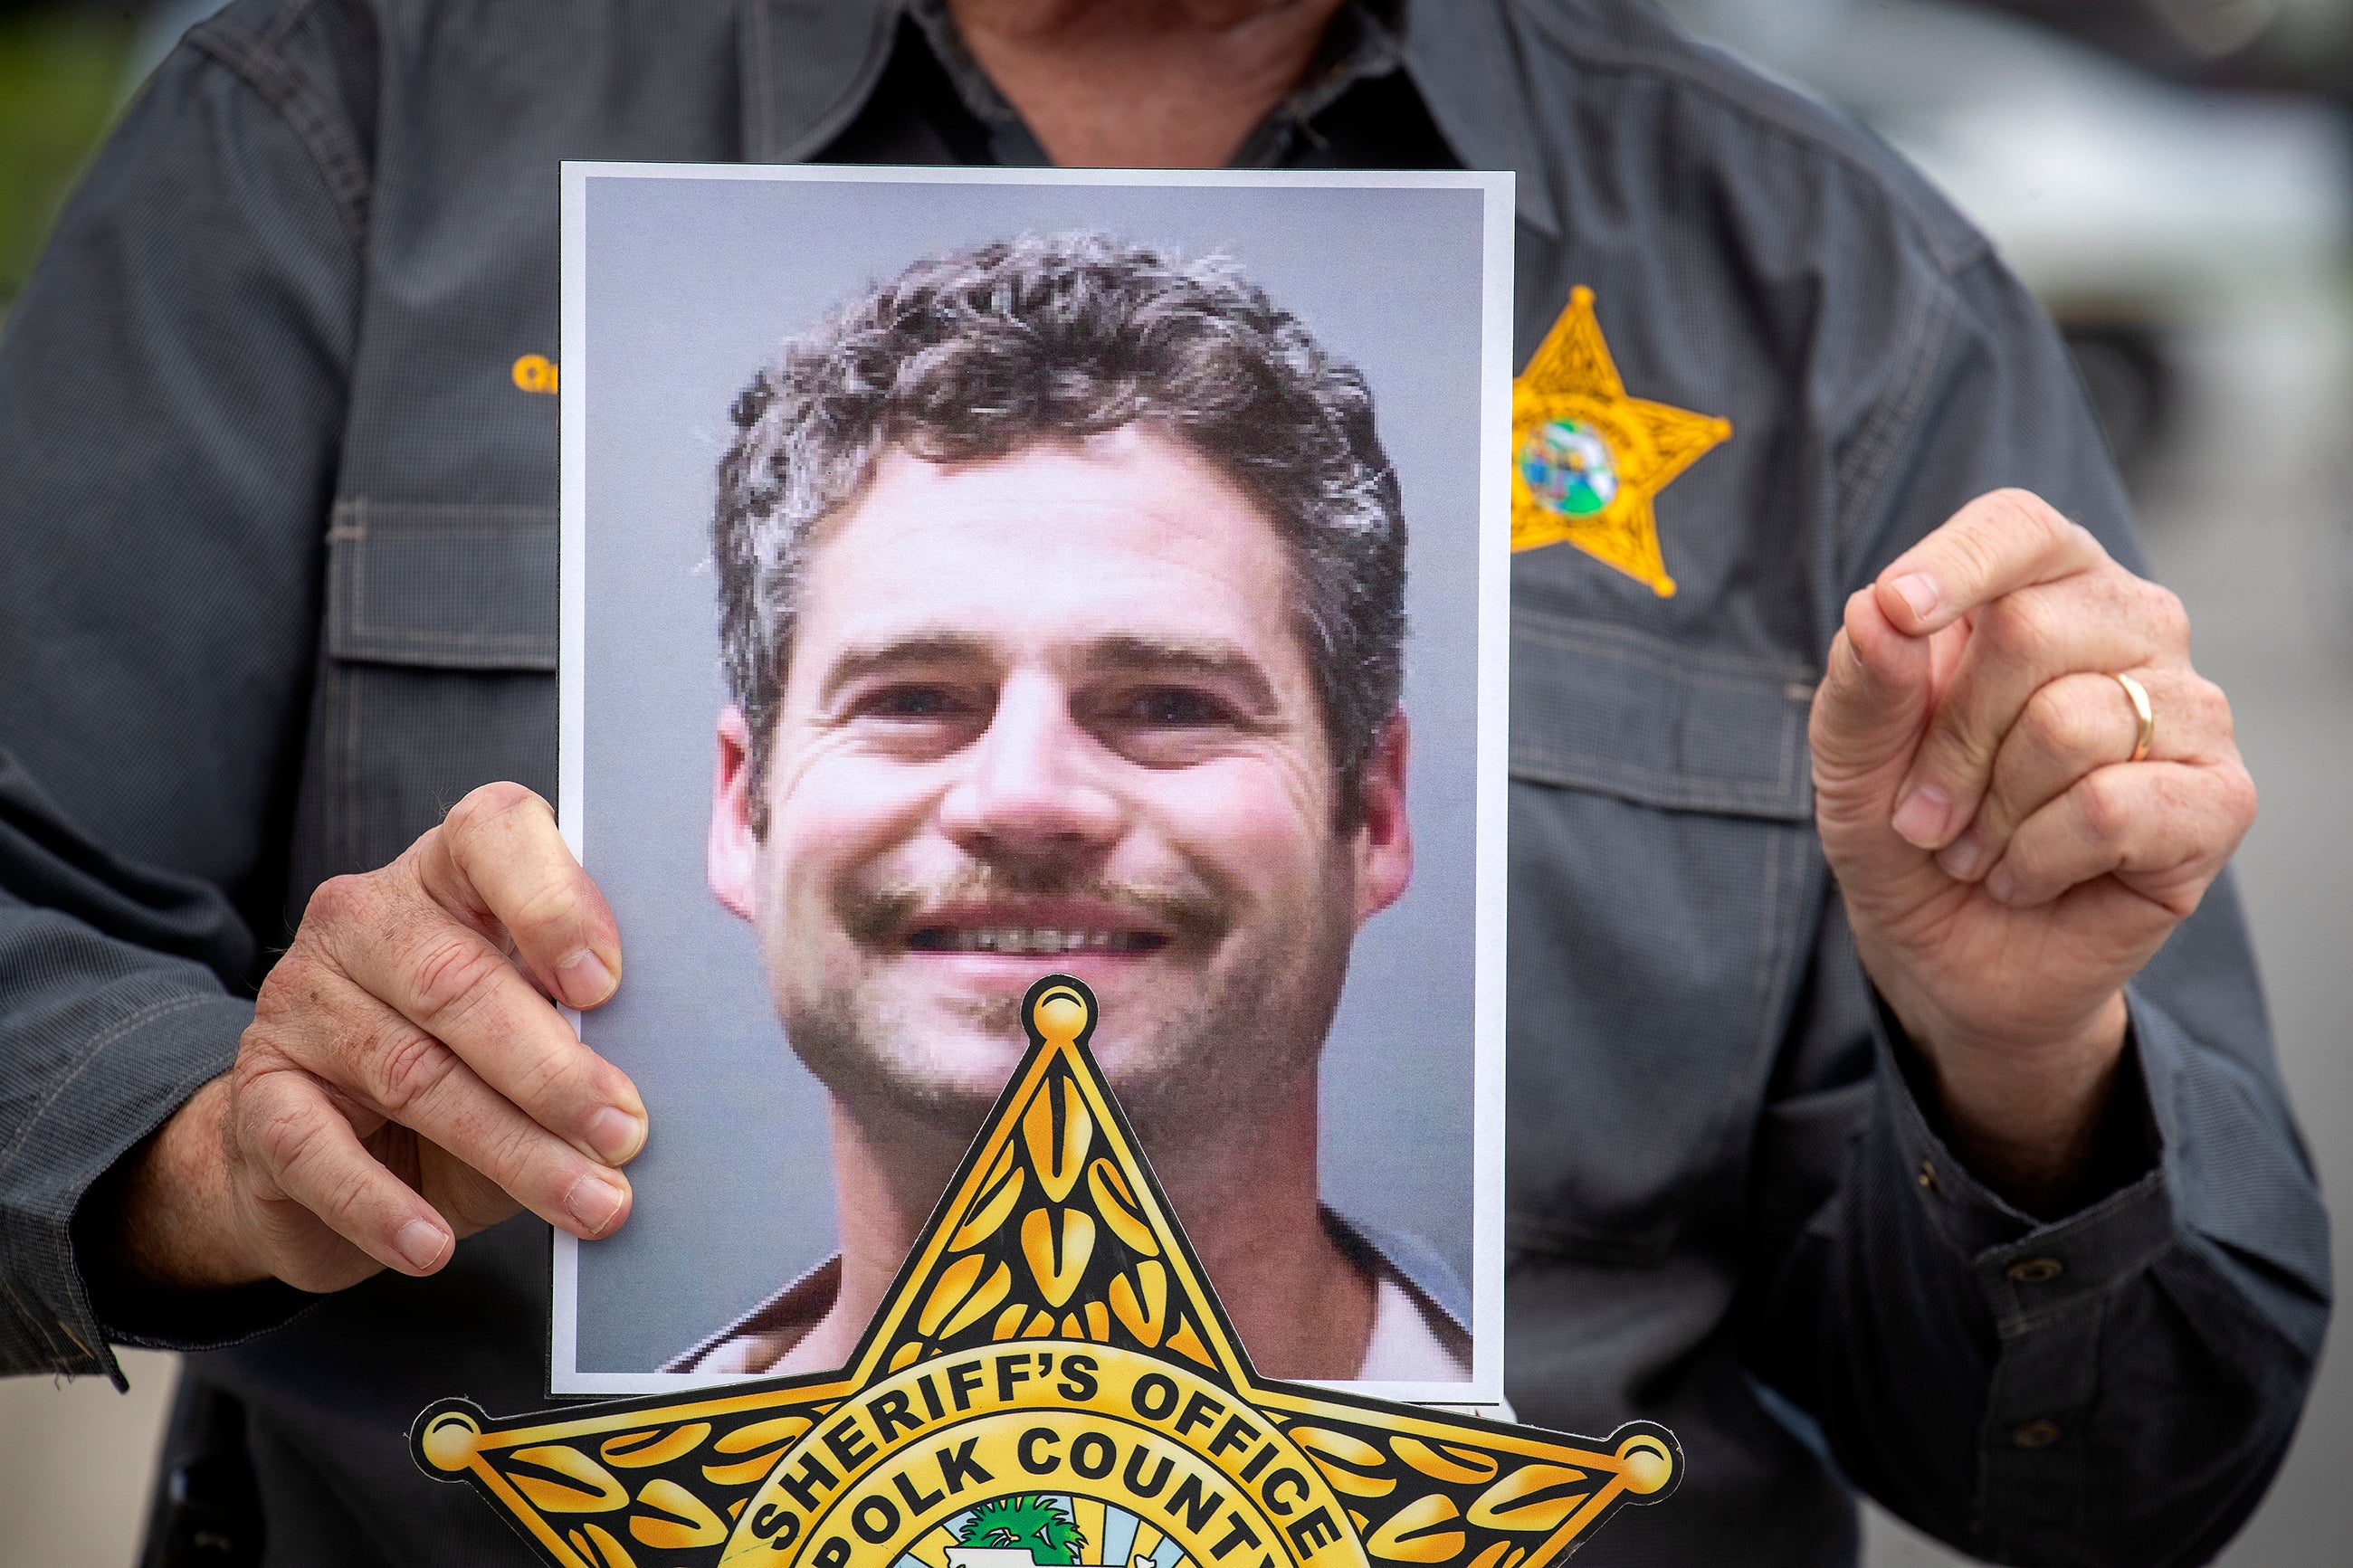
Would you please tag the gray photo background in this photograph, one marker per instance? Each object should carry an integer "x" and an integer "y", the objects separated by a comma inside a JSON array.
[{"x": 691, "y": 283}]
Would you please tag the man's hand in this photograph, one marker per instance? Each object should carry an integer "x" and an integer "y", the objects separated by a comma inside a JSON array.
[
  {"x": 2006, "y": 868},
  {"x": 406, "y": 1081}
]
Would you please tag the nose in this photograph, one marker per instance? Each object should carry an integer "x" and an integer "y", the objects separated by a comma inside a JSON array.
[{"x": 1033, "y": 789}]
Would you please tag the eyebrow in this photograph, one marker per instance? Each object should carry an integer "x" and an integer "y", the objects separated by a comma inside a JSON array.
[
  {"x": 1117, "y": 652},
  {"x": 856, "y": 664},
  {"x": 1126, "y": 652}
]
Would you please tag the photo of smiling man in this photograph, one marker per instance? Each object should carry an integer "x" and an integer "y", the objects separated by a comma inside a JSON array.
[{"x": 1062, "y": 606}]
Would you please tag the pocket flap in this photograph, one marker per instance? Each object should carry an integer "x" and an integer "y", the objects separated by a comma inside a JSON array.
[
  {"x": 464, "y": 587},
  {"x": 1606, "y": 708}
]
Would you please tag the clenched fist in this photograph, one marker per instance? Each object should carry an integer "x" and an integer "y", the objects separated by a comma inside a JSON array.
[
  {"x": 407, "y": 1079},
  {"x": 2007, "y": 865}
]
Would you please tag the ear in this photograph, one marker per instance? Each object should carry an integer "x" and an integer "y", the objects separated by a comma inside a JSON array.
[
  {"x": 732, "y": 854},
  {"x": 1384, "y": 836}
]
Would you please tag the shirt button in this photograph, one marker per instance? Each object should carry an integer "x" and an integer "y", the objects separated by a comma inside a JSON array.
[
  {"x": 1928, "y": 1178},
  {"x": 2036, "y": 1435},
  {"x": 2035, "y": 1270}
]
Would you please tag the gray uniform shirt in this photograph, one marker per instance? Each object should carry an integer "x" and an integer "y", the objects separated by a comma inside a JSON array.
[{"x": 278, "y": 585}]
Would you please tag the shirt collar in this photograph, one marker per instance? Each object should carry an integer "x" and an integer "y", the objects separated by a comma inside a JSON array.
[
  {"x": 1361, "y": 44},
  {"x": 1465, "y": 64},
  {"x": 809, "y": 66},
  {"x": 1009, "y": 137}
]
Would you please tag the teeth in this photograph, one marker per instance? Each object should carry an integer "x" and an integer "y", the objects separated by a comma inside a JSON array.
[{"x": 1044, "y": 940}]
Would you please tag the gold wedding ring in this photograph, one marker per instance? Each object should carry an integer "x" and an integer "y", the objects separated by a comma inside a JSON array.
[{"x": 2138, "y": 694}]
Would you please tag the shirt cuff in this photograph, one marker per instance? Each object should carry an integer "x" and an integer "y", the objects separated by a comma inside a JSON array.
[
  {"x": 2083, "y": 1400},
  {"x": 55, "y": 1314},
  {"x": 2029, "y": 1270}
]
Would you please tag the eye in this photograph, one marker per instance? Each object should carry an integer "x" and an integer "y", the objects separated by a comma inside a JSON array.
[
  {"x": 1174, "y": 708},
  {"x": 912, "y": 702}
]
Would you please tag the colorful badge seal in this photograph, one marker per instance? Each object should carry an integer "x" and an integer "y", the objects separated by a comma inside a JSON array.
[
  {"x": 1587, "y": 460},
  {"x": 1050, "y": 1380}
]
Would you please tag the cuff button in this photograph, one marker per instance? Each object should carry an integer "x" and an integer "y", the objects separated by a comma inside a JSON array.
[{"x": 2034, "y": 1270}]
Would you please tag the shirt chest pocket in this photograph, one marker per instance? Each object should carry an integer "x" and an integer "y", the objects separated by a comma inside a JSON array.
[
  {"x": 1664, "y": 886},
  {"x": 437, "y": 673}
]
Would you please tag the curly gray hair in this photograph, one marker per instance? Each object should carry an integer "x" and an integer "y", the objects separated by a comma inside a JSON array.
[{"x": 975, "y": 354}]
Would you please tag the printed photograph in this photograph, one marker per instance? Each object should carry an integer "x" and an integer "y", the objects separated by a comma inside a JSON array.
[{"x": 971, "y": 575}]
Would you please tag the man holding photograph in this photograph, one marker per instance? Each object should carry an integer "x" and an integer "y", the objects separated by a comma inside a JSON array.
[{"x": 1062, "y": 595}]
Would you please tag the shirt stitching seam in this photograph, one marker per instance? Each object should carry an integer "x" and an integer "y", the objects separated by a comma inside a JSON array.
[
  {"x": 282, "y": 26},
  {"x": 762, "y": 117},
  {"x": 1773, "y": 687},
  {"x": 823, "y": 127},
  {"x": 415, "y": 639},
  {"x": 2017, "y": 1325},
  {"x": 347, "y": 769},
  {"x": 361, "y": 635},
  {"x": 180, "y": 1091},
  {"x": 114, "y": 1035},
  {"x": 285, "y": 90},
  {"x": 1774, "y": 959},
  {"x": 1700, "y": 786},
  {"x": 1876, "y": 447},
  {"x": 1510, "y": 65},
  {"x": 1730, "y": 93},
  {"x": 370, "y": 516},
  {"x": 117, "y": 1032}
]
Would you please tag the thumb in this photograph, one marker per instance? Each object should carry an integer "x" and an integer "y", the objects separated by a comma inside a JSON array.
[{"x": 1868, "y": 715}]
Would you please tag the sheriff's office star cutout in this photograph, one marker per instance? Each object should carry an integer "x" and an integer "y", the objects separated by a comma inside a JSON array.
[
  {"x": 1050, "y": 1380},
  {"x": 1587, "y": 459}
]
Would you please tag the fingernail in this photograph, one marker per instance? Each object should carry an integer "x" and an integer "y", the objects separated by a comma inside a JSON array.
[
  {"x": 584, "y": 979},
  {"x": 1961, "y": 857},
  {"x": 1919, "y": 591},
  {"x": 616, "y": 1134},
  {"x": 593, "y": 1202},
  {"x": 2001, "y": 884},
  {"x": 422, "y": 1243},
  {"x": 1921, "y": 817}
]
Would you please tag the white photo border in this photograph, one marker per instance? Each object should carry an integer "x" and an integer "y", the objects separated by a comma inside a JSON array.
[{"x": 1485, "y": 1386}]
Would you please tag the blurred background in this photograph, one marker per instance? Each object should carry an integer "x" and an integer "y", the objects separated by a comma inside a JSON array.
[{"x": 2173, "y": 177}]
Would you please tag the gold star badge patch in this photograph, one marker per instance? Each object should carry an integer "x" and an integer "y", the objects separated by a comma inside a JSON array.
[
  {"x": 1051, "y": 1381},
  {"x": 1587, "y": 459}
]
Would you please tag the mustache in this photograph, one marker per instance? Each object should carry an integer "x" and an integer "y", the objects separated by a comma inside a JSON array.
[{"x": 877, "y": 914}]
